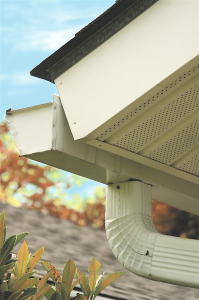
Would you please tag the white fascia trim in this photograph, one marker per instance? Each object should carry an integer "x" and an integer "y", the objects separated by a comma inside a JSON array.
[{"x": 137, "y": 244}]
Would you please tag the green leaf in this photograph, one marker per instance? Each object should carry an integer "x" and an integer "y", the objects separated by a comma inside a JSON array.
[
  {"x": 93, "y": 269},
  {"x": 19, "y": 282},
  {"x": 29, "y": 283},
  {"x": 22, "y": 259},
  {"x": 50, "y": 292},
  {"x": 41, "y": 293},
  {"x": 5, "y": 268},
  {"x": 99, "y": 277},
  {"x": 5, "y": 231},
  {"x": 2, "y": 217},
  {"x": 83, "y": 281},
  {"x": 67, "y": 279},
  {"x": 34, "y": 259},
  {"x": 74, "y": 284},
  {"x": 55, "y": 274},
  {"x": 28, "y": 293},
  {"x": 106, "y": 281},
  {"x": 15, "y": 296},
  {"x": 7, "y": 248},
  {"x": 56, "y": 296},
  {"x": 42, "y": 283},
  {"x": 20, "y": 237}
]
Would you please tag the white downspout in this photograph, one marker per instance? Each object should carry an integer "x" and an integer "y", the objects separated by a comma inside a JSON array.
[{"x": 138, "y": 245}]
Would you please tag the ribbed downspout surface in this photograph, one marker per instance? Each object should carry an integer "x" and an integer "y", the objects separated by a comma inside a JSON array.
[{"x": 137, "y": 244}]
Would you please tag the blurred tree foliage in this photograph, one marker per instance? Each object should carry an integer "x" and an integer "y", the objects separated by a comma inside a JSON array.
[{"x": 37, "y": 186}]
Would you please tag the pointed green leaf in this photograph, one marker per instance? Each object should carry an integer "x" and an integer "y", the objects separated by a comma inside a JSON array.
[
  {"x": 55, "y": 275},
  {"x": 41, "y": 293},
  {"x": 83, "y": 281},
  {"x": 15, "y": 296},
  {"x": 6, "y": 249},
  {"x": 93, "y": 269},
  {"x": 74, "y": 284},
  {"x": 28, "y": 293},
  {"x": 20, "y": 237},
  {"x": 42, "y": 283},
  {"x": 22, "y": 259},
  {"x": 106, "y": 281},
  {"x": 29, "y": 283},
  {"x": 67, "y": 279},
  {"x": 5, "y": 231},
  {"x": 19, "y": 282},
  {"x": 2, "y": 218},
  {"x": 34, "y": 259},
  {"x": 10, "y": 261},
  {"x": 5, "y": 268},
  {"x": 50, "y": 292},
  {"x": 99, "y": 277}
]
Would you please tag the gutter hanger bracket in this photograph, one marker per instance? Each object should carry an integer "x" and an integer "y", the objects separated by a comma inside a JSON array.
[{"x": 137, "y": 244}]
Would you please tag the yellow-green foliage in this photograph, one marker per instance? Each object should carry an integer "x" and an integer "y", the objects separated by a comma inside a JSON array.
[
  {"x": 16, "y": 272},
  {"x": 17, "y": 281},
  {"x": 90, "y": 286}
]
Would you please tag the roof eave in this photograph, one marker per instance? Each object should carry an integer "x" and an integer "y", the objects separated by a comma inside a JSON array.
[{"x": 90, "y": 37}]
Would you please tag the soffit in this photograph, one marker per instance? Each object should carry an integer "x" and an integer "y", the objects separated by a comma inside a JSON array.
[{"x": 163, "y": 129}]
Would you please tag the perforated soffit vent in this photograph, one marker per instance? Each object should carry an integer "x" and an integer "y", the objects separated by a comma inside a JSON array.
[{"x": 163, "y": 128}]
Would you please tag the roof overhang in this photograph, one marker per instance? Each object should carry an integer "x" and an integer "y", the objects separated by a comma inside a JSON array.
[
  {"x": 90, "y": 37},
  {"x": 42, "y": 133},
  {"x": 128, "y": 111}
]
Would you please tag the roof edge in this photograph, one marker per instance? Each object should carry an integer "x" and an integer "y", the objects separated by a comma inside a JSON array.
[{"x": 90, "y": 37}]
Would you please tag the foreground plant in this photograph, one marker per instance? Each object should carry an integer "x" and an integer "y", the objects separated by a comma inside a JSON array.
[
  {"x": 90, "y": 286},
  {"x": 16, "y": 272},
  {"x": 17, "y": 281}
]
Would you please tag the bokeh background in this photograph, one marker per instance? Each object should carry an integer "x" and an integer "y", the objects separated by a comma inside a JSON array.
[{"x": 25, "y": 183}]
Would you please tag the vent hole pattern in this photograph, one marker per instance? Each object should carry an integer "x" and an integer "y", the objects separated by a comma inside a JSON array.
[
  {"x": 178, "y": 145},
  {"x": 160, "y": 122},
  {"x": 144, "y": 106},
  {"x": 191, "y": 165}
]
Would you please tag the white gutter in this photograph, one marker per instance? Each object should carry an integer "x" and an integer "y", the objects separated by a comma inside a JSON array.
[
  {"x": 138, "y": 245},
  {"x": 42, "y": 133}
]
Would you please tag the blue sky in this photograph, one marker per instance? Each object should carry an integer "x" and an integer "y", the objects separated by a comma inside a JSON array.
[{"x": 30, "y": 32}]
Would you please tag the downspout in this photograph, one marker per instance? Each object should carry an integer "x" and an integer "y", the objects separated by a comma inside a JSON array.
[{"x": 137, "y": 244}]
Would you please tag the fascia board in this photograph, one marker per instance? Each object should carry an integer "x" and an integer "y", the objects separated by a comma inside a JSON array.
[
  {"x": 49, "y": 140},
  {"x": 90, "y": 37},
  {"x": 129, "y": 64}
]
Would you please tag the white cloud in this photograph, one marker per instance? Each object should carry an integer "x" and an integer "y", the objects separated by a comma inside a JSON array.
[
  {"x": 44, "y": 40},
  {"x": 43, "y": 25},
  {"x": 20, "y": 79}
]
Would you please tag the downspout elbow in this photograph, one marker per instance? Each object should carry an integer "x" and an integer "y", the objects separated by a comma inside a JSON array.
[{"x": 137, "y": 244}]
